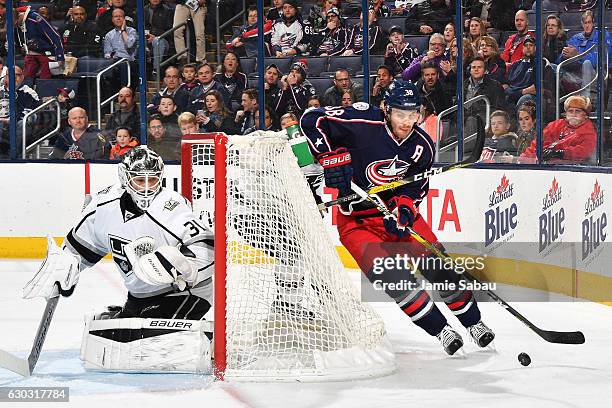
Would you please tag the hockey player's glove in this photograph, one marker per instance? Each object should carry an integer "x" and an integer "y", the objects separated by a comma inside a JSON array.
[
  {"x": 405, "y": 213},
  {"x": 548, "y": 154},
  {"x": 337, "y": 170}
]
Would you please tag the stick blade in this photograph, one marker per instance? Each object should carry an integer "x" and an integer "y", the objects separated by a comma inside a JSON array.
[
  {"x": 15, "y": 364},
  {"x": 576, "y": 337}
]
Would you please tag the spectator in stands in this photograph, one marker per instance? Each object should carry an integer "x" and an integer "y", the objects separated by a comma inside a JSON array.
[
  {"x": 206, "y": 79},
  {"x": 121, "y": 41},
  {"x": 495, "y": 65},
  {"x": 174, "y": 88},
  {"x": 245, "y": 118},
  {"x": 287, "y": 119},
  {"x": 43, "y": 11},
  {"x": 244, "y": 42},
  {"x": 348, "y": 98},
  {"x": 520, "y": 83},
  {"x": 272, "y": 90},
  {"x": 449, "y": 34},
  {"x": 40, "y": 42},
  {"x": 216, "y": 117},
  {"x": 476, "y": 30},
  {"x": 269, "y": 120},
  {"x": 375, "y": 36},
  {"x": 342, "y": 84},
  {"x": 62, "y": 9},
  {"x": 80, "y": 141},
  {"x": 124, "y": 142},
  {"x": 276, "y": 11},
  {"x": 427, "y": 17},
  {"x": 233, "y": 79},
  {"x": 65, "y": 97},
  {"x": 435, "y": 55},
  {"x": 188, "y": 124},
  {"x": 190, "y": 77},
  {"x": 295, "y": 90},
  {"x": 288, "y": 35},
  {"x": 167, "y": 113},
  {"x": 449, "y": 68},
  {"x": 333, "y": 39},
  {"x": 433, "y": 95},
  {"x": 158, "y": 18},
  {"x": 479, "y": 84},
  {"x": 526, "y": 133},
  {"x": 513, "y": 49},
  {"x": 82, "y": 37},
  {"x": 26, "y": 100},
  {"x": 317, "y": 16},
  {"x": 196, "y": 11},
  {"x": 501, "y": 145},
  {"x": 554, "y": 39},
  {"x": 398, "y": 54},
  {"x": 127, "y": 115},
  {"x": 314, "y": 101},
  {"x": 105, "y": 20},
  {"x": 166, "y": 147},
  {"x": 581, "y": 42},
  {"x": 497, "y": 14},
  {"x": 569, "y": 139},
  {"x": 384, "y": 77}
]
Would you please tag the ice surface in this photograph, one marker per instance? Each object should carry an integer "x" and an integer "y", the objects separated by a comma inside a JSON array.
[{"x": 559, "y": 375}]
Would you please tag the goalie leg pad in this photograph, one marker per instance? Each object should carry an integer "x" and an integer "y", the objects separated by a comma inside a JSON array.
[{"x": 147, "y": 345}]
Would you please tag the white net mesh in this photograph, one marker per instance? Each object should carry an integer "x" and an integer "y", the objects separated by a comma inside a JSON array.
[{"x": 292, "y": 311}]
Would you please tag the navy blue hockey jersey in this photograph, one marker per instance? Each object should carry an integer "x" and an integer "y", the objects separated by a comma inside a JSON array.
[{"x": 378, "y": 157}]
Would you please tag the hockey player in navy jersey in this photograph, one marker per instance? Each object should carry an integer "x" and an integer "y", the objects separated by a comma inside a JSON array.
[{"x": 370, "y": 147}]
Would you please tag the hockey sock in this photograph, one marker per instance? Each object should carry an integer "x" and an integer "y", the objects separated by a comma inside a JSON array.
[
  {"x": 463, "y": 305},
  {"x": 423, "y": 312}
]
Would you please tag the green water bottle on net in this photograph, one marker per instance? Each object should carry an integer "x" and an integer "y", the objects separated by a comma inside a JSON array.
[{"x": 299, "y": 144}]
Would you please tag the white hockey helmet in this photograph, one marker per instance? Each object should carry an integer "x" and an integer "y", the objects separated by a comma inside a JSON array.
[{"x": 140, "y": 173}]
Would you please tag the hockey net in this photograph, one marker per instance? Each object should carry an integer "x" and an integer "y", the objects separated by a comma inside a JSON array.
[{"x": 285, "y": 308}]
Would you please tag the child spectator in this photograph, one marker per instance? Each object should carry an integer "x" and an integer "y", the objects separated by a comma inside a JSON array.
[
  {"x": 124, "y": 143},
  {"x": 502, "y": 145},
  {"x": 65, "y": 97},
  {"x": 526, "y": 119},
  {"x": 232, "y": 78},
  {"x": 190, "y": 79},
  {"x": 187, "y": 123},
  {"x": 287, "y": 119},
  {"x": 314, "y": 101}
]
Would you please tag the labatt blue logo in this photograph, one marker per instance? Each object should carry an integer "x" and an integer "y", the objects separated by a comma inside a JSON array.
[
  {"x": 593, "y": 226},
  {"x": 552, "y": 222},
  {"x": 499, "y": 222}
]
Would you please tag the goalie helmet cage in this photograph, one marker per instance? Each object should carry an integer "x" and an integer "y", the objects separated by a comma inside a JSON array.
[{"x": 285, "y": 308}]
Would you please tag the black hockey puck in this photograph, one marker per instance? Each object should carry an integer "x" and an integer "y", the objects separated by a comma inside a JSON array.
[{"x": 524, "y": 359}]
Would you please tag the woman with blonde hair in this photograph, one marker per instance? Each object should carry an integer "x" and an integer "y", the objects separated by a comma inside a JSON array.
[
  {"x": 495, "y": 66},
  {"x": 475, "y": 31},
  {"x": 216, "y": 117},
  {"x": 449, "y": 68}
]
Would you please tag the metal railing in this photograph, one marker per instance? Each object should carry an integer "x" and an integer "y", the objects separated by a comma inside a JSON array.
[
  {"x": 452, "y": 109},
  {"x": 558, "y": 79},
  {"x": 174, "y": 56},
  {"x": 110, "y": 99},
  {"x": 220, "y": 27},
  {"x": 36, "y": 144}
]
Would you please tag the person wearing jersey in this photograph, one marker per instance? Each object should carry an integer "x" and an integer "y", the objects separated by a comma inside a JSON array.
[{"x": 369, "y": 146}]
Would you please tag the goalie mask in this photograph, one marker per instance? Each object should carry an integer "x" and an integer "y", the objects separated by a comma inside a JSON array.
[{"x": 140, "y": 174}]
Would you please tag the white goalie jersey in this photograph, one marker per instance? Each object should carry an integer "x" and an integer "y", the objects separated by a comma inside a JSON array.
[{"x": 111, "y": 220}]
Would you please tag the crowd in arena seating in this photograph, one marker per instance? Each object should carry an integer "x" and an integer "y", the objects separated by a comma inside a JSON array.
[{"x": 313, "y": 58}]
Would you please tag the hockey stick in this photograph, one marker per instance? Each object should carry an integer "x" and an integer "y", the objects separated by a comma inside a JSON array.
[
  {"x": 474, "y": 157},
  {"x": 25, "y": 366},
  {"x": 561, "y": 337}
]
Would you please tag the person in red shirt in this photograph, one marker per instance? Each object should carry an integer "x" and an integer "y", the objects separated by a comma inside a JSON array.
[
  {"x": 513, "y": 49},
  {"x": 570, "y": 139}
]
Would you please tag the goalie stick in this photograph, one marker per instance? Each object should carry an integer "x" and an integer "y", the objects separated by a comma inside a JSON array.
[
  {"x": 560, "y": 337},
  {"x": 474, "y": 157}
]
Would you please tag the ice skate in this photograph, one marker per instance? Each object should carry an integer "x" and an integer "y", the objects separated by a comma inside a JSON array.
[
  {"x": 450, "y": 339},
  {"x": 481, "y": 334}
]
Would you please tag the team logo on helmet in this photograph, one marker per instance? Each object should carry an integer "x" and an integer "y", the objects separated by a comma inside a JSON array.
[
  {"x": 402, "y": 95},
  {"x": 386, "y": 171}
]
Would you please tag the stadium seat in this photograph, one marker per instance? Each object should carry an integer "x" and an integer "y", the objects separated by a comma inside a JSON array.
[
  {"x": 321, "y": 84},
  {"x": 48, "y": 87},
  {"x": 91, "y": 66},
  {"x": 248, "y": 65},
  {"x": 316, "y": 65},
  {"x": 420, "y": 42},
  {"x": 353, "y": 64},
  {"x": 376, "y": 61},
  {"x": 572, "y": 20},
  {"x": 387, "y": 22}
]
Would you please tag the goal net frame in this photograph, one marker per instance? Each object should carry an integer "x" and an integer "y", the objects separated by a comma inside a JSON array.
[{"x": 373, "y": 358}]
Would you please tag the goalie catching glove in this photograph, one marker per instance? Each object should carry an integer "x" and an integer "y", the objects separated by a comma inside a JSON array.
[
  {"x": 165, "y": 265},
  {"x": 404, "y": 213},
  {"x": 337, "y": 170},
  {"x": 61, "y": 267}
]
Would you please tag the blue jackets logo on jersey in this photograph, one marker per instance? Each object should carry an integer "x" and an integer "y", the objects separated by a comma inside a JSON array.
[{"x": 386, "y": 171}]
